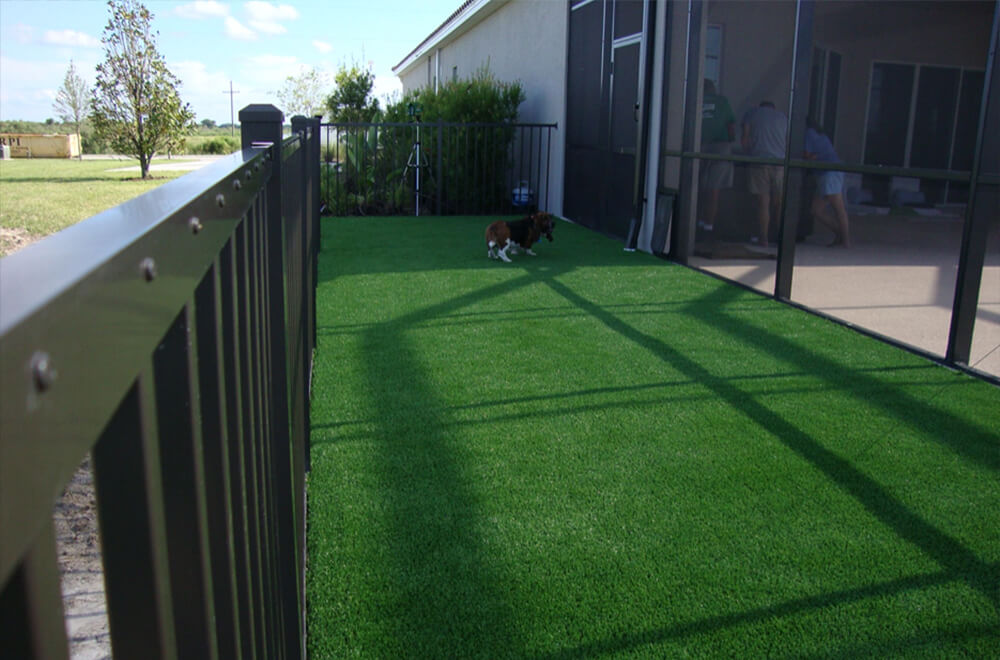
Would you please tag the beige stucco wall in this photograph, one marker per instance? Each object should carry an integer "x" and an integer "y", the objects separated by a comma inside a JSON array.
[
  {"x": 30, "y": 145},
  {"x": 521, "y": 40},
  {"x": 757, "y": 43}
]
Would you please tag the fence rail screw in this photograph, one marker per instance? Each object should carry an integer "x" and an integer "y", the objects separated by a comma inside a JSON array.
[
  {"x": 237, "y": 184},
  {"x": 195, "y": 224},
  {"x": 41, "y": 371},
  {"x": 249, "y": 174},
  {"x": 220, "y": 199},
  {"x": 148, "y": 268}
]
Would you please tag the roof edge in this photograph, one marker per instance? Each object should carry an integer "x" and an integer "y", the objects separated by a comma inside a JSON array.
[{"x": 466, "y": 11}]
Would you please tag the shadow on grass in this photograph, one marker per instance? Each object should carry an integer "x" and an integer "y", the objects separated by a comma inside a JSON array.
[
  {"x": 976, "y": 444},
  {"x": 433, "y": 513},
  {"x": 563, "y": 403},
  {"x": 712, "y": 624},
  {"x": 433, "y": 508}
]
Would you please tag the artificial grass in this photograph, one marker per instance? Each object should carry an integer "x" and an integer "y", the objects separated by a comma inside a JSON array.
[{"x": 592, "y": 453}]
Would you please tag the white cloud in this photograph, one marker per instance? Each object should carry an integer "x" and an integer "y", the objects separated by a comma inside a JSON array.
[
  {"x": 70, "y": 38},
  {"x": 236, "y": 30},
  {"x": 268, "y": 73},
  {"x": 387, "y": 88},
  {"x": 265, "y": 11},
  {"x": 202, "y": 9},
  {"x": 267, "y": 18},
  {"x": 197, "y": 79},
  {"x": 24, "y": 34},
  {"x": 322, "y": 46},
  {"x": 274, "y": 61},
  {"x": 268, "y": 28},
  {"x": 27, "y": 88},
  {"x": 206, "y": 90}
]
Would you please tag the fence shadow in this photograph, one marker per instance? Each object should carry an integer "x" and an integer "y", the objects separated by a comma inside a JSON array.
[{"x": 434, "y": 509}]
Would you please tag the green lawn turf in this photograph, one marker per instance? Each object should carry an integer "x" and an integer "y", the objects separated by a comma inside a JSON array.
[
  {"x": 592, "y": 453},
  {"x": 44, "y": 195}
]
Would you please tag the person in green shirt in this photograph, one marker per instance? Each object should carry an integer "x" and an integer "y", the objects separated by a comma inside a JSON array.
[{"x": 718, "y": 130}]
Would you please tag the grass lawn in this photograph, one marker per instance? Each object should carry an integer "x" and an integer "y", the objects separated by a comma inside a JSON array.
[
  {"x": 39, "y": 197},
  {"x": 592, "y": 453}
]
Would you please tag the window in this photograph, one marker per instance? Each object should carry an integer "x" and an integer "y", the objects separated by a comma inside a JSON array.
[
  {"x": 713, "y": 54},
  {"x": 824, "y": 89},
  {"x": 923, "y": 116}
]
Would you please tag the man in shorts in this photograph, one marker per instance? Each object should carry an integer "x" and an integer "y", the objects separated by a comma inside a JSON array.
[
  {"x": 718, "y": 130},
  {"x": 764, "y": 133}
]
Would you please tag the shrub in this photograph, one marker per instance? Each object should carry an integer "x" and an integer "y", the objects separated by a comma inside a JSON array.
[
  {"x": 217, "y": 145},
  {"x": 481, "y": 98},
  {"x": 368, "y": 170}
]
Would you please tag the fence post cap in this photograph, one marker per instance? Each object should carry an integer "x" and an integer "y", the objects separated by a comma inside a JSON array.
[{"x": 258, "y": 112}]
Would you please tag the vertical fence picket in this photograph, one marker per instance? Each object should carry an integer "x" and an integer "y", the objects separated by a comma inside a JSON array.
[
  {"x": 249, "y": 405},
  {"x": 133, "y": 531},
  {"x": 470, "y": 168},
  {"x": 236, "y": 416},
  {"x": 31, "y": 612},
  {"x": 217, "y": 459},
  {"x": 183, "y": 476}
]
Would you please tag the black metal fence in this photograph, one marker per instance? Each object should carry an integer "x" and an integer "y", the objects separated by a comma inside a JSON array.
[
  {"x": 435, "y": 168},
  {"x": 172, "y": 337}
]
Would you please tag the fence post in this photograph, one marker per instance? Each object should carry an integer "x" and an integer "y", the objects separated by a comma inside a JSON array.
[
  {"x": 312, "y": 154},
  {"x": 439, "y": 177},
  {"x": 261, "y": 125},
  {"x": 309, "y": 154}
]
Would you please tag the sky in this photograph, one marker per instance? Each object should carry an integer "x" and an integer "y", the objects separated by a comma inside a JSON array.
[{"x": 209, "y": 44}]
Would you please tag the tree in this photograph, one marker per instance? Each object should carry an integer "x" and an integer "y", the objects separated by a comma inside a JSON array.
[
  {"x": 303, "y": 94},
  {"x": 136, "y": 106},
  {"x": 208, "y": 123},
  {"x": 72, "y": 101},
  {"x": 351, "y": 100}
]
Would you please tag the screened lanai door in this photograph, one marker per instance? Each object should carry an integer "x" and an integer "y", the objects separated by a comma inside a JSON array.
[{"x": 607, "y": 41}]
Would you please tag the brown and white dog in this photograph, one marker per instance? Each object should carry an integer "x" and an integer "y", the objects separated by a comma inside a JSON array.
[{"x": 502, "y": 236}]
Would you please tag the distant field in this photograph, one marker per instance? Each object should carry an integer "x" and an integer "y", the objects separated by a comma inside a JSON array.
[{"x": 40, "y": 197}]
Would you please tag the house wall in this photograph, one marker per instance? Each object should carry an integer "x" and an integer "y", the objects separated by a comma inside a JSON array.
[
  {"x": 521, "y": 40},
  {"x": 757, "y": 42}
]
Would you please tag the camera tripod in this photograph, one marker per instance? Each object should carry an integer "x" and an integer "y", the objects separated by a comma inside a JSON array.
[{"x": 417, "y": 161}]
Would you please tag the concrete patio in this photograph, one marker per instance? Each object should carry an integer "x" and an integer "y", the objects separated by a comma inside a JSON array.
[{"x": 897, "y": 279}]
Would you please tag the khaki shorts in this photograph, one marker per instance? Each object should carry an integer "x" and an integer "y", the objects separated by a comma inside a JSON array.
[
  {"x": 716, "y": 174},
  {"x": 764, "y": 179}
]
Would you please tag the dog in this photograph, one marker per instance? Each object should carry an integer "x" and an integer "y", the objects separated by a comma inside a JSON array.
[{"x": 503, "y": 236}]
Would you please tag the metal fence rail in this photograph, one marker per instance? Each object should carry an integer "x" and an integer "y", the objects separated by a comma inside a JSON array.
[
  {"x": 171, "y": 336},
  {"x": 435, "y": 168}
]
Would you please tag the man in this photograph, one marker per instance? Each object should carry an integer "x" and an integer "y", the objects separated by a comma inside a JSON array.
[
  {"x": 718, "y": 130},
  {"x": 764, "y": 133}
]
